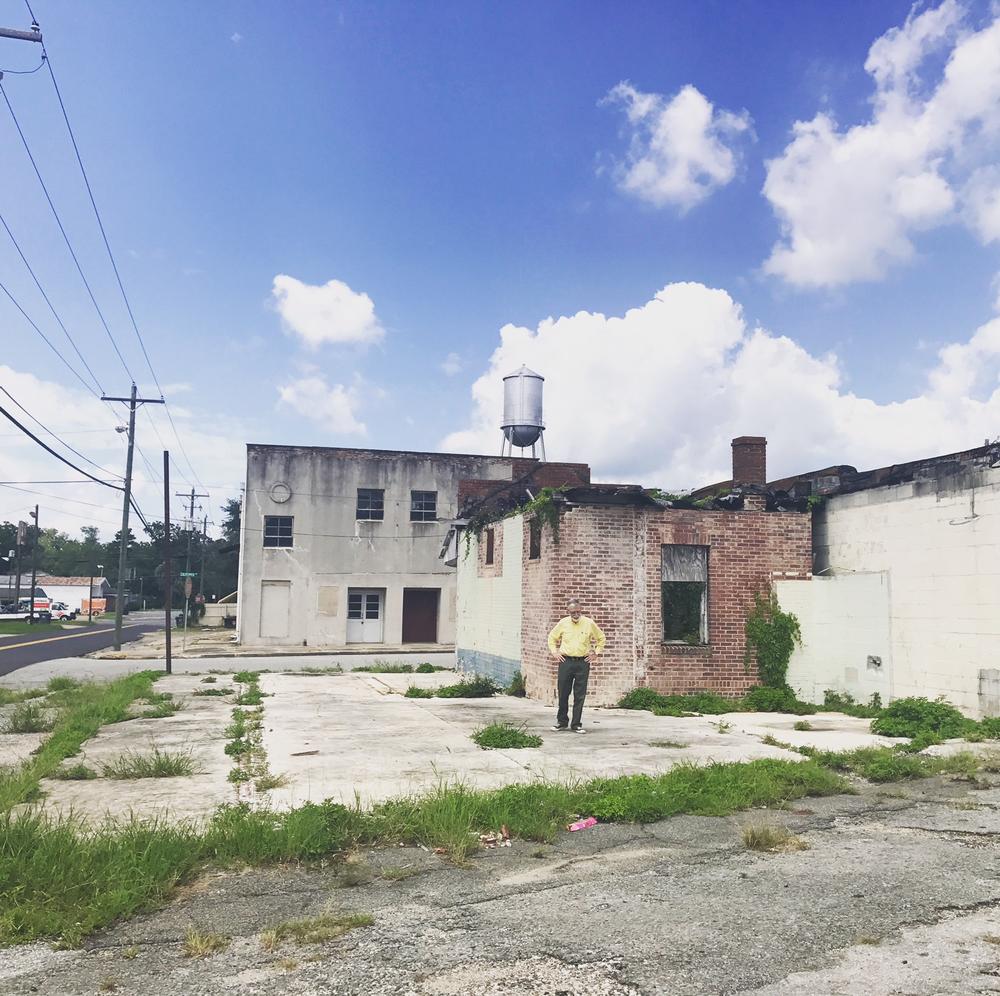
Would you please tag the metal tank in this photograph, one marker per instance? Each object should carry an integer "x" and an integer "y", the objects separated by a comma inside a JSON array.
[{"x": 522, "y": 408}]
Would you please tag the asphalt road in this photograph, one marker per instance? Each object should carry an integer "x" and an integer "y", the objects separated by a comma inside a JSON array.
[{"x": 25, "y": 648}]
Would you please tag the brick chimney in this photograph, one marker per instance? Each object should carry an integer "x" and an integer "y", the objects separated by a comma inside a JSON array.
[{"x": 750, "y": 460}]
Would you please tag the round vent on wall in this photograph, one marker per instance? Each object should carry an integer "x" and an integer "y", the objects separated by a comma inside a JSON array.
[{"x": 280, "y": 492}]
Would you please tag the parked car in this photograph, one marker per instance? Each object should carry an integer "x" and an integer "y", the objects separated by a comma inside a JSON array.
[{"x": 60, "y": 610}]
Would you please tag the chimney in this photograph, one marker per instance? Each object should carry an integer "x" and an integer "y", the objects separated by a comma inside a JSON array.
[{"x": 750, "y": 460}]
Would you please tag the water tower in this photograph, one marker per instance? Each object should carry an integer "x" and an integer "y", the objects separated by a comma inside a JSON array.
[{"x": 522, "y": 412}]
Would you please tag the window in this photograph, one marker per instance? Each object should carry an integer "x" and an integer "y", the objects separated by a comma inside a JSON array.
[
  {"x": 534, "y": 539},
  {"x": 685, "y": 594},
  {"x": 277, "y": 530},
  {"x": 363, "y": 604},
  {"x": 371, "y": 504},
  {"x": 423, "y": 506},
  {"x": 490, "y": 539}
]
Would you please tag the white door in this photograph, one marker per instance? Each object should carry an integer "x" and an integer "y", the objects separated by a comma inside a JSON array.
[
  {"x": 364, "y": 615},
  {"x": 275, "y": 602}
]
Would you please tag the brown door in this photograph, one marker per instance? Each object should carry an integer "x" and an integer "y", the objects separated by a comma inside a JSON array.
[{"x": 420, "y": 615}]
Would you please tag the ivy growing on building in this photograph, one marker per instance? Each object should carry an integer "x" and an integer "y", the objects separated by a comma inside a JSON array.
[
  {"x": 544, "y": 507},
  {"x": 771, "y": 636}
]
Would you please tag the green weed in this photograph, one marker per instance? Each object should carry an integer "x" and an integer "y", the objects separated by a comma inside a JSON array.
[
  {"x": 26, "y": 717},
  {"x": 427, "y": 668},
  {"x": 504, "y": 736},
  {"x": 62, "y": 683},
  {"x": 200, "y": 943},
  {"x": 154, "y": 764},
  {"x": 919, "y": 717},
  {"x": 213, "y": 691},
  {"x": 803, "y": 725},
  {"x": 384, "y": 667},
  {"x": 210, "y": 680},
  {"x": 75, "y": 773},
  {"x": 668, "y": 744},
  {"x": 415, "y": 692},
  {"x": 9, "y": 697},
  {"x": 885, "y": 764},
  {"x": 475, "y": 687},
  {"x": 770, "y": 837},
  {"x": 269, "y": 782},
  {"x": 517, "y": 687}
]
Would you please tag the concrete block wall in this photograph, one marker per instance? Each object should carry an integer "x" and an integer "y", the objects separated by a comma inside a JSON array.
[
  {"x": 488, "y": 625},
  {"x": 610, "y": 558},
  {"x": 938, "y": 542},
  {"x": 846, "y": 636}
]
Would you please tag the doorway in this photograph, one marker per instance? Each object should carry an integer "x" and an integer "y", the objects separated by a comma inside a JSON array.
[
  {"x": 420, "y": 615},
  {"x": 275, "y": 602},
  {"x": 365, "y": 611}
]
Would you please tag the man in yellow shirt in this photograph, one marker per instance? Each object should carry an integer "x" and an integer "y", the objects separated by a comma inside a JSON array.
[{"x": 575, "y": 641}]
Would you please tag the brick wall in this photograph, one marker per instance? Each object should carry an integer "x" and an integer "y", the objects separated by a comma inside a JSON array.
[{"x": 609, "y": 558}]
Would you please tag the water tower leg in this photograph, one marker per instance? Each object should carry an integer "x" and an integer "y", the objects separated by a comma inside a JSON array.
[
  {"x": 541, "y": 442},
  {"x": 503, "y": 444}
]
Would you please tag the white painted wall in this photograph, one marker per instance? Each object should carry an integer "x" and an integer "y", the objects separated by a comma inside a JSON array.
[
  {"x": 844, "y": 621},
  {"x": 938, "y": 543},
  {"x": 489, "y": 608},
  {"x": 333, "y": 552}
]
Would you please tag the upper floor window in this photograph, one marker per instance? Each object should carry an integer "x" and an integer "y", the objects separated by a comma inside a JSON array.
[
  {"x": 423, "y": 506},
  {"x": 685, "y": 594},
  {"x": 371, "y": 504},
  {"x": 534, "y": 539},
  {"x": 490, "y": 540},
  {"x": 277, "y": 530}
]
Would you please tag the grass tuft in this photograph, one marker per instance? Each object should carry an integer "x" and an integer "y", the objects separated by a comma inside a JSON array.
[
  {"x": 209, "y": 680},
  {"x": 212, "y": 691},
  {"x": 268, "y": 782},
  {"x": 415, "y": 692},
  {"x": 505, "y": 736},
  {"x": 202, "y": 943},
  {"x": 27, "y": 717},
  {"x": 75, "y": 773},
  {"x": 154, "y": 764},
  {"x": 668, "y": 744},
  {"x": 62, "y": 683},
  {"x": 319, "y": 929},
  {"x": 475, "y": 687},
  {"x": 771, "y": 837},
  {"x": 9, "y": 697},
  {"x": 803, "y": 725}
]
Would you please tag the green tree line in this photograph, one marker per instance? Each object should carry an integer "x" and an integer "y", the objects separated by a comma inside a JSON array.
[{"x": 63, "y": 556}]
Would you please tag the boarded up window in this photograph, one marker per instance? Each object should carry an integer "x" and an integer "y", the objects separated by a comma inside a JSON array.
[
  {"x": 685, "y": 594},
  {"x": 534, "y": 540},
  {"x": 490, "y": 539}
]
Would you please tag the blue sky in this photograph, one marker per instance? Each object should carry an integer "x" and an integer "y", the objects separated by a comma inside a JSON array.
[{"x": 463, "y": 165}]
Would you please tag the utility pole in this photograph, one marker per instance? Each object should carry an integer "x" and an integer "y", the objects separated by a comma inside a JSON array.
[
  {"x": 34, "y": 565},
  {"x": 131, "y": 401},
  {"x": 201, "y": 574},
  {"x": 187, "y": 557},
  {"x": 168, "y": 582},
  {"x": 22, "y": 535}
]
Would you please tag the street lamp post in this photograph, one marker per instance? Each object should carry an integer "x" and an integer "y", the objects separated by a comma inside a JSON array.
[{"x": 90, "y": 595}]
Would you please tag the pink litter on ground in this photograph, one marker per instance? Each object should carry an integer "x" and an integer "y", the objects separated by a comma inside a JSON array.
[{"x": 583, "y": 824}]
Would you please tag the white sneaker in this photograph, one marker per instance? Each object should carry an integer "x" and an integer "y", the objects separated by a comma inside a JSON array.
[
  {"x": 579, "y": 729},
  {"x": 560, "y": 729}
]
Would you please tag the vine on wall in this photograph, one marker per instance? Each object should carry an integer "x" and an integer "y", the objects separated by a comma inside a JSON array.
[
  {"x": 771, "y": 636},
  {"x": 542, "y": 507}
]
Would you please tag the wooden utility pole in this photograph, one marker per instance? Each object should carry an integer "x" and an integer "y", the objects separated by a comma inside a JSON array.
[
  {"x": 34, "y": 564},
  {"x": 131, "y": 401},
  {"x": 168, "y": 582},
  {"x": 187, "y": 557}
]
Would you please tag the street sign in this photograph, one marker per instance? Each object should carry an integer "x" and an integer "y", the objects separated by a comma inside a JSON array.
[
  {"x": 187, "y": 587},
  {"x": 189, "y": 574}
]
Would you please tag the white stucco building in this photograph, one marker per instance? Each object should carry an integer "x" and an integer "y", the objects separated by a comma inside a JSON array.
[
  {"x": 905, "y": 598},
  {"x": 340, "y": 547}
]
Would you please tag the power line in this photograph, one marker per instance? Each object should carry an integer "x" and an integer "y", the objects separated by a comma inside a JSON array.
[
  {"x": 43, "y": 494},
  {"x": 55, "y": 314},
  {"x": 23, "y": 72},
  {"x": 45, "y": 428},
  {"x": 114, "y": 263},
  {"x": 100, "y": 223},
  {"x": 58, "y": 456},
  {"x": 62, "y": 229},
  {"x": 45, "y": 338}
]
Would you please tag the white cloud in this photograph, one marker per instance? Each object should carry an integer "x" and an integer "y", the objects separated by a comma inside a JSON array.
[
  {"x": 452, "y": 364},
  {"x": 331, "y": 312},
  {"x": 670, "y": 383},
  {"x": 332, "y": 406},
  {"x": 851, "y": 201},
  {"x": 680, "y": 149},
  {"x": 236, "y": 38}
]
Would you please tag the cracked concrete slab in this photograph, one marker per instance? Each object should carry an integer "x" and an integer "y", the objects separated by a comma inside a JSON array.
[{"x": 676, "y": 907}]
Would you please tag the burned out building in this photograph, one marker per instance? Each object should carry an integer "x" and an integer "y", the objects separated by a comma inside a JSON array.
[{"x": 669, "y": 580}]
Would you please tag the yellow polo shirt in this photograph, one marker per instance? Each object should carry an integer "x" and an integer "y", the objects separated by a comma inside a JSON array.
[{"x": 574, "y": 638}]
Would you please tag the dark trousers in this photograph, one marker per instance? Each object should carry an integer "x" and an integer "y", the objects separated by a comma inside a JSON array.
[{"x": 573, "y": 675}]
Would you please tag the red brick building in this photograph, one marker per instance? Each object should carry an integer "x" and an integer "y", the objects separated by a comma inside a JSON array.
[{"x": 669, "y": 585}]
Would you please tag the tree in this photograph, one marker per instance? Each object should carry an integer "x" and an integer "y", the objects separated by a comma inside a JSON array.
[{"x": 232, "y": 510}]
